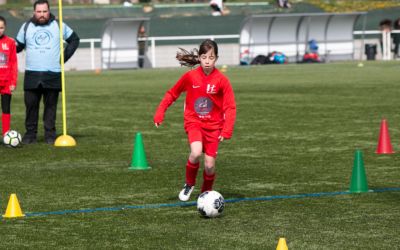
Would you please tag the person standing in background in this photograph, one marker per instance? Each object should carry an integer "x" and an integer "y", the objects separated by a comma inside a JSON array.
[
  {"x": 396, "y": 38},
  {"x": 40, "y": 37},
  {"x": 141, "y": 45},
  {"x": 386, "y": 28}
]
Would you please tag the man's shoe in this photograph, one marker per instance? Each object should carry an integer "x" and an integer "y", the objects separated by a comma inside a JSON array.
[
  {"x": 29, "y": 140},
  {"x": 187, "y": 190},
  {"x": 50, "y": 140}
]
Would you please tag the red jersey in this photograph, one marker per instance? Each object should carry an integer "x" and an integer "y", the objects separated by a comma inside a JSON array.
[
  {"x": 8, "y": 62},
  {"x": 210, "y": 101}
]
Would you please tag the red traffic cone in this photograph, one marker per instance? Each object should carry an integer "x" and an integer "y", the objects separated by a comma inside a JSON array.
[{"x": 384, "y": 146}]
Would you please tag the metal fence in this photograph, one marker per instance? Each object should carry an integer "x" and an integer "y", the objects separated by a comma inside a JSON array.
[{"x": 89, "y": 56}]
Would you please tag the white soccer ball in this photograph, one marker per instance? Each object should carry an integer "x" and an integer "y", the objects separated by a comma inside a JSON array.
[
  {"x": 210, "y": 204},
  {"x": 12, "y": 139}
]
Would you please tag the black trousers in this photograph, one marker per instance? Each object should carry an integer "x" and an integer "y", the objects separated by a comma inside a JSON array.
[
  {"x": 32, "y": 104},
  {"x": 6, "y": 103}
]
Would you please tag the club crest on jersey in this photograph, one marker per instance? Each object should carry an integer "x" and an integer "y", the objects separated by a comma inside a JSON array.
[
  {"x": 211, "y": 89},
  {"x": 203, "y": 106},
  {"x": 42, "y": 37},
  {"x": 3, "y": 59}
]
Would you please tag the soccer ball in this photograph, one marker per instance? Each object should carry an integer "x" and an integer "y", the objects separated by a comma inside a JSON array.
[
  {"x": 12, "y": 138},
  {"x": 210, "y": 204}
]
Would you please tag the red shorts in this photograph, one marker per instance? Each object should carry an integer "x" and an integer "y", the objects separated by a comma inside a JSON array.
[
  {"x": 5, "y": 90},
  {"x": 209, "y": 139}
]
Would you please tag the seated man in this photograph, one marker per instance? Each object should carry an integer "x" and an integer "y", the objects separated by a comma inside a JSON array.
[
  {"x": 284, "y": 4},
  {"x": 217, "y": 7}
]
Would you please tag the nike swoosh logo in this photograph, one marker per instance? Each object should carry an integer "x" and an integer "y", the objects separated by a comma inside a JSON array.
[{"x": 195, "y": 87}]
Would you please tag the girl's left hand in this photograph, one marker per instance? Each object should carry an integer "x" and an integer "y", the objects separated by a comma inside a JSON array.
[
  {"x": 220, "y": 138},
  {"x": 12, "y": 88}
]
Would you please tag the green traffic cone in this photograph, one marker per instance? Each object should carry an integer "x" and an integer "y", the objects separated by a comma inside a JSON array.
[
  {"x": 139, "y": 161},
  {"x": 358, "y": 179}
]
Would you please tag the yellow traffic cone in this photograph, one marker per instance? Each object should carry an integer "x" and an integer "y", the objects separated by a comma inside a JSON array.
[
  {"x": 282, "y": 244},
  {"x": 13, "y": 208}
]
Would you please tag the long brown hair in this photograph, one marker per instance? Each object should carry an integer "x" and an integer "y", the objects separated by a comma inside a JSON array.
[
  {"x": 3, "y": 20},
  {"x": 191, "y": 58}
]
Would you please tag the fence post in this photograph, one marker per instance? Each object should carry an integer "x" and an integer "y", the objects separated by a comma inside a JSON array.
[
  {"x": 386, "y": 46},
  {"x": 92, "y": 54},
  {"x": 153, "y": 52}
]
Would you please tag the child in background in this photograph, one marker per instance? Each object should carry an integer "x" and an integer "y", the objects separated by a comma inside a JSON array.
[
  {"x": 8, "y": 74},
  {"x": 210, "y": 112}
]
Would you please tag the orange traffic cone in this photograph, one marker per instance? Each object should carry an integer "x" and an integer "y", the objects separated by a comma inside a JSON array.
[
  {"x": 384, "y": 146},
  {"x": 13, "y": 209}
]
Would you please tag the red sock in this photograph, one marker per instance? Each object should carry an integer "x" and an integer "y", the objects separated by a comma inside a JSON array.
[
  {"x": 208, "y": 182},
  {"x": 191, "y": 172},
  {"x": 5, "y": 122}
]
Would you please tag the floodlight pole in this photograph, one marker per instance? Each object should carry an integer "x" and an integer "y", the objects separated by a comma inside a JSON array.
[{"x": 63, "y": 140}]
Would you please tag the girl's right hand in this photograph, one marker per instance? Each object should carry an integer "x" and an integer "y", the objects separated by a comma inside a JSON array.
[{"x": 158, "y": 119}]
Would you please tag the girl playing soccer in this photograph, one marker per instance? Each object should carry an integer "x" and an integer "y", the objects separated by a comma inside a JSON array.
[
  {"x": 8, "y": 74},
  {"x": 210, "y": 112}
]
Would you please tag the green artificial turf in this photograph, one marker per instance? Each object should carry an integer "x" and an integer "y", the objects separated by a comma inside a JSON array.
[{"x": 297, "y": 129}]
